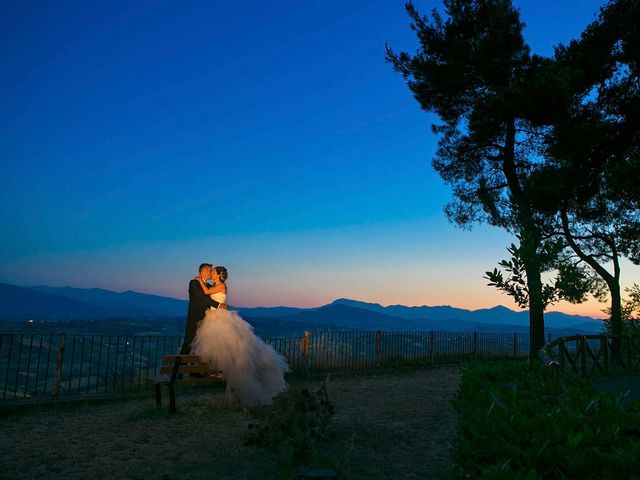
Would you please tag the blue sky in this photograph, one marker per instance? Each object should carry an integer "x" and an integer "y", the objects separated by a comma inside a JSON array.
[{"x": 139, "y": 139}]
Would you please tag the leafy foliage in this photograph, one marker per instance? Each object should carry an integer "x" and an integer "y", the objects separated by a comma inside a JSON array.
[
  {"x": 572, "y": 281},
  {"x": 294, "y": 424},
  {"x": 475, "y": 70},
  {"x": 471, "y": 70},
  {"x": 526, "y": 139},
  {"x": 630, "y": 312},
  {"x": 592, "y": 162},
  {"x": 519, "y": 422}
]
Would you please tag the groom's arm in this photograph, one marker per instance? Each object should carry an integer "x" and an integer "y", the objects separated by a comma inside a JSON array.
[{"x": 196, "y": 292}]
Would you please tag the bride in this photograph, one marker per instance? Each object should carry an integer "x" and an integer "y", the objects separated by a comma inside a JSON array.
[{"x": 227, "y": 342}]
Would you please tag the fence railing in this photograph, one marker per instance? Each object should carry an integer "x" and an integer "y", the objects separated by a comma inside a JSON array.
[
  {"x": 36, "y": 366},
  {"x": 368, "y": 350},
  {"x": 593, "y": 354},
  {"x": 54, "y": 365}
]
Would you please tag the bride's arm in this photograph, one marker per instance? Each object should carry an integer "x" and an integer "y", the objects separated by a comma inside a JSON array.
[{"x": 211, "y": 290}]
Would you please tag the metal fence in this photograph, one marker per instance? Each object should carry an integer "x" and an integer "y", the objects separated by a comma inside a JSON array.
[
  {"x": 54, "y": 365},
  {"x": 34, "y": 366},
  {"x": 330, "y": 351}
]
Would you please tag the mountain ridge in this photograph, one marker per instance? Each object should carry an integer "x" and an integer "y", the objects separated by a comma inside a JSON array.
[
  {"x": 43, "y": 302},
  {"x": 128, "y": 302},
  {"x": 495, "y": 315}
]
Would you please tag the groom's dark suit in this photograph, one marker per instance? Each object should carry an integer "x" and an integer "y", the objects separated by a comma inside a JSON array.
[{"x": 198, "y": 304}]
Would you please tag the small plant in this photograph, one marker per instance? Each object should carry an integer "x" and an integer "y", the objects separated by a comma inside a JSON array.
[
  {"x": 294, "y": 424},
  {"x": 519, "y": 422}
]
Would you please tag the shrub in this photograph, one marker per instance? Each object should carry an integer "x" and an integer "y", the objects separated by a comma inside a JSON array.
[
  {"x": 294, "y": 424},
  {"x": 519, "y": 422}
]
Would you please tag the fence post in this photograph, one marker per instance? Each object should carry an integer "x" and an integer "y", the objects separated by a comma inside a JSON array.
[
  {"x": 583, "y": 356},
  {"x": 304, "y": 350},
  {"x": 515, "y": 344},
  {"x": 59, "y": 360},
  {"x": 475, "y": 344},
  {"x": 561, "y": 350},
  {"x": 605, "y": 352},
  {"x": 432, "y": 344},
  {"x": 378, "y": 349},
  {"x": 548, "y": 338}
]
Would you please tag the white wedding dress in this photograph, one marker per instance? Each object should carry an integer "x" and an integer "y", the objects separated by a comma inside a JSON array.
[{"x": 253, "y": 369}]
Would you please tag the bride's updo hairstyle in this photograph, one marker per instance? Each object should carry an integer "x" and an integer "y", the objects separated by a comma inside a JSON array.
[{"x": 222, "y": 273}]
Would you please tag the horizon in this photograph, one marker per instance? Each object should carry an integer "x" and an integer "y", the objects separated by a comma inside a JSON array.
[
  {"x": 335, "y": 300},
  {"x": 139, "y": 142}
]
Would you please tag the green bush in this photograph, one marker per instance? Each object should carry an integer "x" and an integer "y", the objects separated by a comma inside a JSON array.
[
  {"x": 519, "y": 422},
  {"x": 293, "y": 425}
]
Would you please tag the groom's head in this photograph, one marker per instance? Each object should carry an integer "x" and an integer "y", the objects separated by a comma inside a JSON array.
[{"x": 205, "y": 271}]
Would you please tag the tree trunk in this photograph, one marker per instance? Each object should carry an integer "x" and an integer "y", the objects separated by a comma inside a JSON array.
[
  {"x": 616, "y": 300},
  {"x": 530, "y": 242},
  {"x": 613, "y": 281},
  {"x": 616, "y": 315},
  {"x": 529, "y": 248},
  {"x": 536, "y": 312}
]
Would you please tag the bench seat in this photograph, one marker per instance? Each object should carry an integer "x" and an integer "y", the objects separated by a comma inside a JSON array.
[{"x": 182, "y": 370}]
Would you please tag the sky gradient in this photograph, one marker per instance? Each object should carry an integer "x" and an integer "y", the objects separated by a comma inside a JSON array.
[{"x": 138, "y": 140}]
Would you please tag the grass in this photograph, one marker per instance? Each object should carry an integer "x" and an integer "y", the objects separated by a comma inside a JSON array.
[{"x": 391, "y": 425}]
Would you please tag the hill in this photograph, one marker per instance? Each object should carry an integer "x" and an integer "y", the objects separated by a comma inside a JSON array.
[
  {"x": 23, "y": 303},
  {"x": 128, "y": 303},
  {"x": 68, "y": 303},
  {"x": 498, "y": 315}
]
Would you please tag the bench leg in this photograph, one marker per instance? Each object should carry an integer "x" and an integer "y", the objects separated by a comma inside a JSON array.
[
  {"x": 227, "y": 394},
  {"x": 172, "y": 399},
  {"x": 158, "y": 397}
]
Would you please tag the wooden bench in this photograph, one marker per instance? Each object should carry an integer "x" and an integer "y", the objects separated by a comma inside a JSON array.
[{"x": 182, "y": 370}]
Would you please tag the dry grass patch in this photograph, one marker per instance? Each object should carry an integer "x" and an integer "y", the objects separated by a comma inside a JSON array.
[
  {"x": 391, "y": 425},
  {"x": 396, "y": 426}
]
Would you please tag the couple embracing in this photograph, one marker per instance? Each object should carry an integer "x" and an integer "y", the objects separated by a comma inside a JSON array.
[{"x": 252, "y": 369}]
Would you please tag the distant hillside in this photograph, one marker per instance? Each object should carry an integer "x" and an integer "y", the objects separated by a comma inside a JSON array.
[
  {"x": 350, "y": 318},
  {"x": 69, "y": 303},
  {"x": 498, "y": 315},
  {"x": 23, "y": 303},
  {"x": 269, "y": 312},
  {"x": 122, "y": 303},
  {"x": 339, "y": 316}
]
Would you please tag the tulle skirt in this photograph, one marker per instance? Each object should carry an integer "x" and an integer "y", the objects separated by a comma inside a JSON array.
[{"x": 250, "y": 367}]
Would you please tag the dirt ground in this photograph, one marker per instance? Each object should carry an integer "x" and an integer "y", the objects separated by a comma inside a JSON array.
[{"x": 387, "y": 426}]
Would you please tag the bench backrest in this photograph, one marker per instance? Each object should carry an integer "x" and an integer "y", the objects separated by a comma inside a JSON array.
[{"x": 174, "y": 364}]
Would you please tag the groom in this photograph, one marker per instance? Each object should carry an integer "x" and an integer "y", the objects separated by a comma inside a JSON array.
[{"x": 199, "y": 302}]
